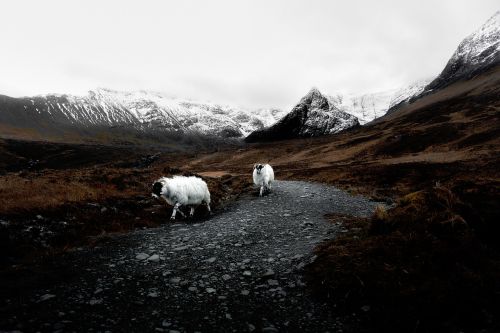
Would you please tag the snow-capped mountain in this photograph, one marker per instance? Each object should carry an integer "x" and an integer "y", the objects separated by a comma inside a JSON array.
[
  {"x": 475, "y": 54},
  {"x": 367, "y": 107},
  {"x": 140, "y": 110},
  {"x": 314, "y": 115}
]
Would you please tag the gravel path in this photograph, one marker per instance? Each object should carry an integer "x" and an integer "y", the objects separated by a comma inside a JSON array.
[{"x": 239, "y": 271}]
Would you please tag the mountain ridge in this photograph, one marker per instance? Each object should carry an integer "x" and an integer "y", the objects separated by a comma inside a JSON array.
[
  {"x": 138, "y": 110},
  {"x": 476, "y": 54}
]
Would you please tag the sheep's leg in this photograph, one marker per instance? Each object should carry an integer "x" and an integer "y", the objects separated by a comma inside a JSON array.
[
  {"x": 267, "y": 188},
  {"x": 180, "y": 211},
  {"x": 208, "y": 207},
  {"x": 191, "y": 212},
  {"x": 176, "y": 209},
  {"x": 261, "y": 189}
]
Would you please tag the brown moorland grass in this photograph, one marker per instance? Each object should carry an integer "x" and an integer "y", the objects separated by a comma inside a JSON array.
[
  {"x": 19, "y": 194},
  {"x": 420, "y": 266}
]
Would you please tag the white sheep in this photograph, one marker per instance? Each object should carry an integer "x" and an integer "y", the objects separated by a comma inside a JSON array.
[
  {"x": 182, "y": 191},
  {"x": 263, "y": 176}
]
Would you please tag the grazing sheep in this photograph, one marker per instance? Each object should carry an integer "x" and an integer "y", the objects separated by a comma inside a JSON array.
[
  {"x": 182, "y": 191},
  {"x": 263, "y": 176}
]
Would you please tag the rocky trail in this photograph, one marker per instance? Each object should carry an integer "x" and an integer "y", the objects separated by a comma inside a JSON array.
[{"x": 238, "y": 271}]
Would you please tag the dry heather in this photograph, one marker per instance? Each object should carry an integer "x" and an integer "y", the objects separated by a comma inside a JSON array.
[
  {"x": 420, "y": 266},
  {"x": 19, "y": 194}
]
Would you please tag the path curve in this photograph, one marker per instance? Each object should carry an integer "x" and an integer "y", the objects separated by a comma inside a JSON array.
[{"x": 239, "y": 271}]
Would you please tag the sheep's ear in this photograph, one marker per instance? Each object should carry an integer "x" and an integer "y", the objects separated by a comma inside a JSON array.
[{"x": 254, "y": 166}]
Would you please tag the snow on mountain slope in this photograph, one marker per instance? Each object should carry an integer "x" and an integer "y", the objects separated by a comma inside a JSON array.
[
  {"x": 481, "y": 46},
  {"x": 404, "y": 94},
  {"x": 140, "y": 110},
  {"x": 158, "y": 110},
  {"x": 367, "y": 107},
  {"x": 476, "y": 53}
]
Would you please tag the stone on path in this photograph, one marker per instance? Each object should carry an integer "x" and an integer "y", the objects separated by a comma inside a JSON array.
[
  {"x": 46, "y": 297},
  {"x": 154, "y": 258},
  {"x": 142, "y": 256}
]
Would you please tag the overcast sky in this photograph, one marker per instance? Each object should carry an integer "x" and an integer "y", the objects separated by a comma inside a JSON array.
[{"x": 248, "y": 53}]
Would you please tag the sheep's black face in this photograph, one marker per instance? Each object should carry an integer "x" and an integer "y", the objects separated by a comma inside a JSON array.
[
  {"x": 259, "y": 167},
  {"x": 157, "y": 187}
]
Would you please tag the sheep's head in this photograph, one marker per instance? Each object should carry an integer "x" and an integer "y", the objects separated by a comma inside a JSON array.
[
  {"x": 157, "y": 188},
  {"x": 258, "y": 167}
]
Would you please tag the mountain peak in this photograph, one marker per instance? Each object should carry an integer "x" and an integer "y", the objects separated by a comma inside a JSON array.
[
  {"x": 314, "y": 91},
  {"x": 312, "y": 116},
  {"x": 484, "y": 40},
  {"x": 475, "y": 54},
  {"x": 315, "y": 99}
]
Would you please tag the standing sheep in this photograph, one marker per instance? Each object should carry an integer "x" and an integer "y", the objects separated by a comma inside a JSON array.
[
  {"x": 182, "y": 191},
  {"x": 263, "y": 176}
]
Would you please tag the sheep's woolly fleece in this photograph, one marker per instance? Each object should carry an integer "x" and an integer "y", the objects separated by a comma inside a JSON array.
[{"x": 184, "y": 190}]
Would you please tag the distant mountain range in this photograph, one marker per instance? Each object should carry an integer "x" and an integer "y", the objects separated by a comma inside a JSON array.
[
  {"x": 319, "y": 114},
  {"x": 139, "y": 111},
  {"x": 61, "y": 117},
  {"x": 104, "y": 115}
]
